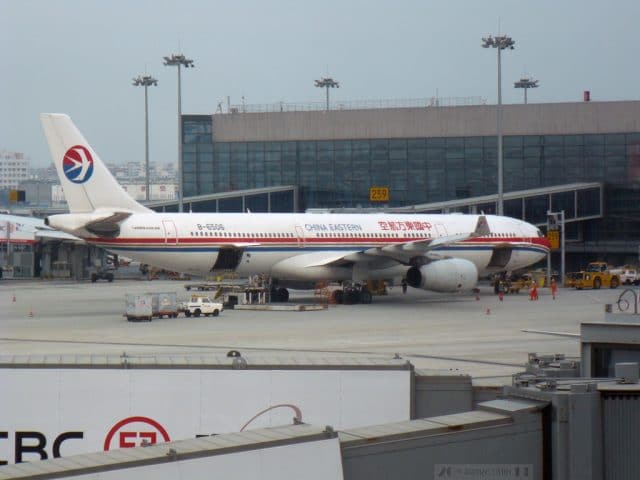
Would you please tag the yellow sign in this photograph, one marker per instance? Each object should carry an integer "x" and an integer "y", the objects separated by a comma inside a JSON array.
[
  {"x": 554, "y": 238},
  {"x": 379, "y": 194}
]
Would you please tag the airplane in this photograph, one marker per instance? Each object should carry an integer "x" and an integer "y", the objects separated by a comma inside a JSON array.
[{"x": 438, "y": 252}]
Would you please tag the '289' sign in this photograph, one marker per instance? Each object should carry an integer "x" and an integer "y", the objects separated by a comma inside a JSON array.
[{"x": 379, "y": 194}]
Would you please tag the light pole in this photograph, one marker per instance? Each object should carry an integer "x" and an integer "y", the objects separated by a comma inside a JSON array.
[
  {"x": 526, "y": 83},
  {"x": 146, "y": 81},
  {"x": 326, "y": 83},
  {"x": 179, "y": 60},
  {"x": 499, "y": 42}
]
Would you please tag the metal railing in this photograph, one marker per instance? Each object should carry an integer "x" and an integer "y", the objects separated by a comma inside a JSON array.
[{"x": 354, "y": 105}]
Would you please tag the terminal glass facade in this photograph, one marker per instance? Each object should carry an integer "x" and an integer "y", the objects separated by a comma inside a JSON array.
[{"x": 339, "y": 173}]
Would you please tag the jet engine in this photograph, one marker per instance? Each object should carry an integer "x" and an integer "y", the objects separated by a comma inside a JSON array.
[{"x": 450, "y": 275}]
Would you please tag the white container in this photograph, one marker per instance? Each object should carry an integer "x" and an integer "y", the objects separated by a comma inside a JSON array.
[{"x": 139, "y": 307}]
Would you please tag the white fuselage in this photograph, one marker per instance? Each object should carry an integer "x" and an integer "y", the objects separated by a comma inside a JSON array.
[{"x": 310, "y": 246}]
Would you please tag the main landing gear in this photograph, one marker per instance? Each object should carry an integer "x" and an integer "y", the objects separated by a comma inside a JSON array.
[
  {"x": 352, "y": 294},
  {"x": 279, "y": 295}
]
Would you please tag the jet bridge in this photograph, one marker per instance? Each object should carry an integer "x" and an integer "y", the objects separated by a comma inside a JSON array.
[{"x": 580, "y": 202}]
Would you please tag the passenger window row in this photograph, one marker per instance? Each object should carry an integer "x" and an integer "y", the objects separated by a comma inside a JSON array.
[{"x": 206, "y": 233}]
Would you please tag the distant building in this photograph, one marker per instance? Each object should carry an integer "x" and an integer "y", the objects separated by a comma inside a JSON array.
[
  {"x": 14, "y": 167},
  {"x": 162, "y": 191},
  {"x": 45, "y": 174},
  {"x": 36, "y": 192},
  {"x": 157, "y": 191}
]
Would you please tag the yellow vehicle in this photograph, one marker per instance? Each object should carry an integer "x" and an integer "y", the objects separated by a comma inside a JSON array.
[{"x": 596, "y": 275}]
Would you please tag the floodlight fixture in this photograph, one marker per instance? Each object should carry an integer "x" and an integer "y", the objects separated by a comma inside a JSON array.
[
  {"x": 526, "y": 83},
  {"x": 179, "y": 60},
  {"x": 146, "y": 81},
  {"x": 499, "y": 42},
  {"x": 327, "y": 83}
]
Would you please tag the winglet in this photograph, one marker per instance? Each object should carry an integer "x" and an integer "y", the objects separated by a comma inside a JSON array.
[{"x": 482, "y": 227}]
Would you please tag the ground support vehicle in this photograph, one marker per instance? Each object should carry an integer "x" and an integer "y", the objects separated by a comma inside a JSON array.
[
  {"x": 201, "y": 305},
  {"x": 596, "y": 276},
  {"x": 570, "y": 279},
  {"x": 102, "y": 274},
  {"x": 165, "y": 303},
  {"x": 149, "y": 305},
  {"x": 628, "y": 275},
  {"x": 515, "y": 285},
  {"x": 138, "y": 307},
  {"x": 512, "y": 283}
]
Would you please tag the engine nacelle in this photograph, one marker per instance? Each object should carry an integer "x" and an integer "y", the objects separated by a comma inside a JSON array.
[{"x": 451, "y": 275}]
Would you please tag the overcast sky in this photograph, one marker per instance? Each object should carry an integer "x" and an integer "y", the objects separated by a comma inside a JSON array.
[{"x": 79, "y": 56}]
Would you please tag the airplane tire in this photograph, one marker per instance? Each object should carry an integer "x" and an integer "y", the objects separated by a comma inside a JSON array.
[
  {"x": 283, "y": 295},
  {"x": 350, "y": 297},
  {"x": 366, "y": 297},
  {"x": 338, "y": 296}
]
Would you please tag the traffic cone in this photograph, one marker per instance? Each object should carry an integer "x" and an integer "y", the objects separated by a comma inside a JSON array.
[
  {"x": 14, "y": 298},
  {"x": 488, "y": 312},
  {"x": 30, "y": 312}
]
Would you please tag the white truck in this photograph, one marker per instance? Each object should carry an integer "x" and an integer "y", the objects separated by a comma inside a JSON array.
[
  {"x": 628, "y": 275},
  {"x": 201, "y": 305}
]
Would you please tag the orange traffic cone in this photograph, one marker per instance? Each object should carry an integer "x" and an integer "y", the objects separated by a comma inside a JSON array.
[
  {"x": 14, "y": 298},
  {"x": 488, "y": 312},
  {"x": 30, "y": 312}
]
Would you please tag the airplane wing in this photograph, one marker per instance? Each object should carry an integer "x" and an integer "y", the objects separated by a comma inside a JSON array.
[{"x": 402, "y": 252}]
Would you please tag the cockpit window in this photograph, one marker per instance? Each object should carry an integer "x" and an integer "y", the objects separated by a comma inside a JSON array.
[{"x": 539, "y": 232}]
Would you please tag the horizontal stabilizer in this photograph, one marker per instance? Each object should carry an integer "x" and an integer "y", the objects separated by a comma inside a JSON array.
[{"x": 101, "y": 223}]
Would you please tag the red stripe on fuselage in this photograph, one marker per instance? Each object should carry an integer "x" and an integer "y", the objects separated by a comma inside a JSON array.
[{"x": 539, "y": 241}]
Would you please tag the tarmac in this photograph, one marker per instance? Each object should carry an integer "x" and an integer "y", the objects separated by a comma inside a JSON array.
[{"x": 482, "y": 337}]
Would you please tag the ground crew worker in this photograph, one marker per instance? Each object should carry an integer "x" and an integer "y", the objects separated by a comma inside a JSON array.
[
  {"x": 404, "y": 285},
  {"x": 554, "y": 288},
  {"x": 533, "y": 291}
]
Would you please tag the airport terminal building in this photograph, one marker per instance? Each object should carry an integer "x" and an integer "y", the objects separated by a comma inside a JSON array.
[{"x": 582, "y": 158}]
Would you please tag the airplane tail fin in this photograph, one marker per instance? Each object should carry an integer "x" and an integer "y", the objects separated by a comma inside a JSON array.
[{"x": 87, "y": 183}]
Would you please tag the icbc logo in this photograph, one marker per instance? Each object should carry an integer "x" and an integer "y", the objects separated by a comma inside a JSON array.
[{"x": 135, "y": 432}]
